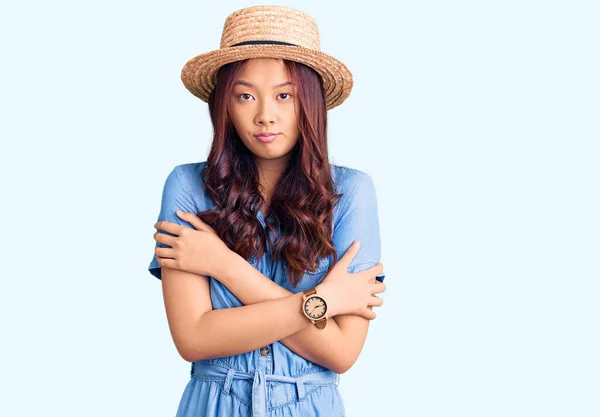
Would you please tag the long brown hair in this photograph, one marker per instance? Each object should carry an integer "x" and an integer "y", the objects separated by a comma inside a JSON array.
[{"x": 301, "y": 206}]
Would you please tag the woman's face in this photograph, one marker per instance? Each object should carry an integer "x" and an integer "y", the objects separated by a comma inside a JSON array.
[{"x": 264, "y": 101}]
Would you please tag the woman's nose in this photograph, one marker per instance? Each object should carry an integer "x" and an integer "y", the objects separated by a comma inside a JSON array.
[{"x": 266, "y": 114}]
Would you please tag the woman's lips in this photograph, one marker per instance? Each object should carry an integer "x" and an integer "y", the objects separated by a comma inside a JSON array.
[{"x": 266, "y": 138}]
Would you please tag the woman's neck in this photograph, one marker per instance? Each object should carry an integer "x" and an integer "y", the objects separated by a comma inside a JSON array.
[{"x": 269, "y": 172}]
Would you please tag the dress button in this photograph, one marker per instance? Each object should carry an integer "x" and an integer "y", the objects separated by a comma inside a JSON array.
[{"x": 264, "y": 351}]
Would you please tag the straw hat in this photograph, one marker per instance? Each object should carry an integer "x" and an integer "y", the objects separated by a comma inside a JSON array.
[{"x": 269, "y": 32}]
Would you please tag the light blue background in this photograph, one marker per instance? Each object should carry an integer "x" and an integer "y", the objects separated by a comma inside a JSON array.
[{"x": 478, "y": 121}]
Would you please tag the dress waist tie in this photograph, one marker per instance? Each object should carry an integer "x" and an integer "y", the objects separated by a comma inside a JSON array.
[{"x": 213, "y": 371}]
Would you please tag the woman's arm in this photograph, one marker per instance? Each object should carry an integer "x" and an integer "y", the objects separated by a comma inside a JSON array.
[
  {"x": 334, "y": 347},
  {"x": 340, "y": 343},
  {"x": 199, "y": 332}
]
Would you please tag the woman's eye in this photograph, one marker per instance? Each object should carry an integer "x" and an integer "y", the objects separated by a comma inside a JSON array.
[{"x": 248, "y": 97}]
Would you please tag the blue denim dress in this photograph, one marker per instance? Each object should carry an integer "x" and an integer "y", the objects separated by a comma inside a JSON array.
[{"x": 273, "y": 380}]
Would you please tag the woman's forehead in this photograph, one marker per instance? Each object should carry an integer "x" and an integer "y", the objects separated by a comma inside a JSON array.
[{"x": 264, "y": 72}]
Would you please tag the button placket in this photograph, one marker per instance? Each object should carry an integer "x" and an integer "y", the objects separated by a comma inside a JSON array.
[{"x": 265, "y": 359}]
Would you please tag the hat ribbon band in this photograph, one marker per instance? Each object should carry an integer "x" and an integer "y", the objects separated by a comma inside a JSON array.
[{"x": 263, "y": 42}]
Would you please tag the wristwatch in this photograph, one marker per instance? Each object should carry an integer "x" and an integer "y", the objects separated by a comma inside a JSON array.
[{"x": 314, "y": 308}]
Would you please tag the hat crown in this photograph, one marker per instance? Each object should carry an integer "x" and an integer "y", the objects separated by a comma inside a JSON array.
[{"x": 271, "y": 23}]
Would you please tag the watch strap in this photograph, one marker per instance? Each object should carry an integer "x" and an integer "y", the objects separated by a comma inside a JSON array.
[{"x": 310, "y": 291}]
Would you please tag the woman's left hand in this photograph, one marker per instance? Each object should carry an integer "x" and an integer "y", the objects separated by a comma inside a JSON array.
[{"x": 200, "y": 251}]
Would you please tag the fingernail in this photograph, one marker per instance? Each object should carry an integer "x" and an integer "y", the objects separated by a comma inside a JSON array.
[{"x": 179, "y": 212}]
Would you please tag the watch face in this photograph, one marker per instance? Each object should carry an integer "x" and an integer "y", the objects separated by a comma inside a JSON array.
[{"x": 315, "y": 307}]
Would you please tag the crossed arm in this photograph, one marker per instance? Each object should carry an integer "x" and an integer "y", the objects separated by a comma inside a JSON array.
[{"x": 337, "y": 346}]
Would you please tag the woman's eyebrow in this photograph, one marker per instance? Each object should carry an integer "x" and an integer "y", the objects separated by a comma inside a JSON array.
[{"x": 247, "y": 84}]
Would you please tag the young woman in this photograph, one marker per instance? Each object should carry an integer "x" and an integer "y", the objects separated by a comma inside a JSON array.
[{"x": 264, "y": 290}]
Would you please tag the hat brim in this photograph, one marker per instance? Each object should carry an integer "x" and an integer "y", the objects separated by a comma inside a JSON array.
[{"x": 199, "y": 73}]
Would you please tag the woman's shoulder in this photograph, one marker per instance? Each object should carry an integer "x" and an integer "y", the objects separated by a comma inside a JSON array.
[
  {"x": 343, "y": 177},
  {"x": 346, "y": 178},
  {"x": 190, "y": 173},
  {"x": 190, "y": 176},
  {"x": 190, "y": 169},
  {"x": 356, "y": 187}
]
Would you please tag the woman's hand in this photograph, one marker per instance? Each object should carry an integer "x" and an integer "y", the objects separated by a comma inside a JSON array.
[
  {"x": 352, "y": 293},
  {"x": 200, "y": 251}
]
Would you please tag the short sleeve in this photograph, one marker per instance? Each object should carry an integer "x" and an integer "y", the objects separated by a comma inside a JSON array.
[
  {"x": 175, "y": 196},
  {"x": 359, "y": 220}
]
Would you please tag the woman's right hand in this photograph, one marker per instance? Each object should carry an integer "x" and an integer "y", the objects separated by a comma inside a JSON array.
[{"x": 352, "y": 293}]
